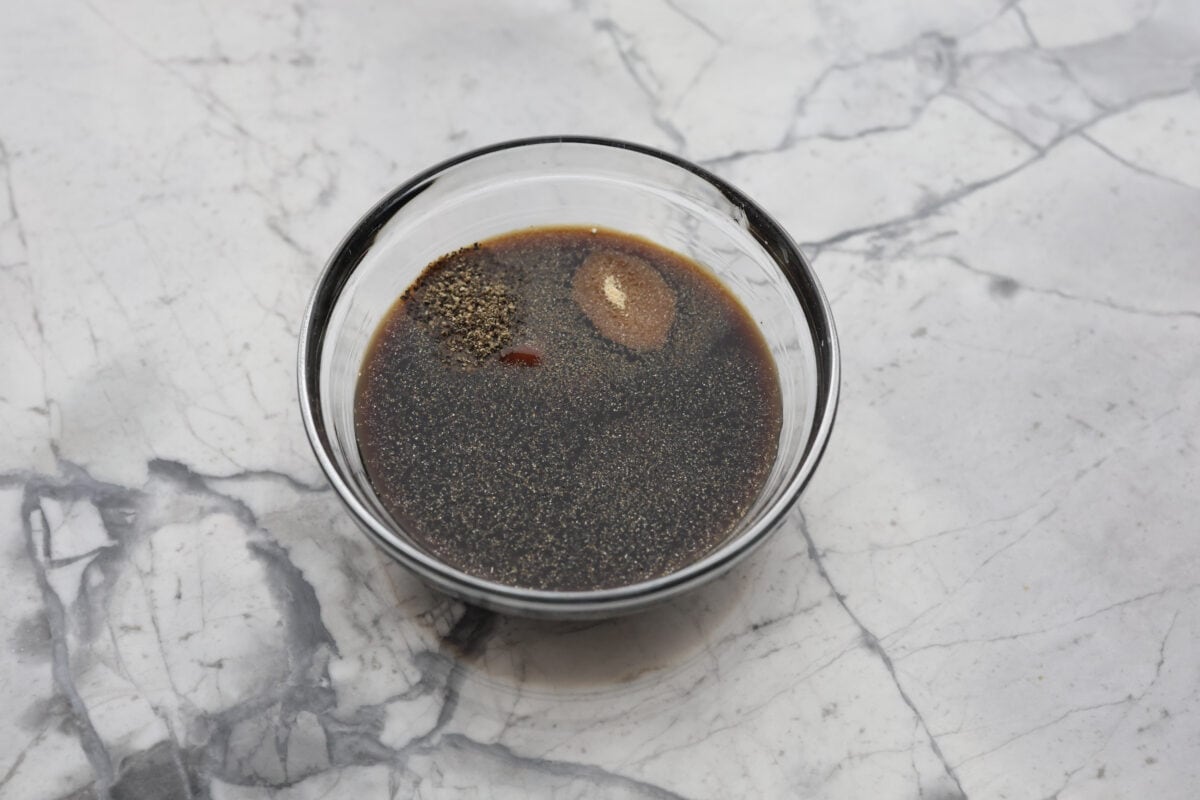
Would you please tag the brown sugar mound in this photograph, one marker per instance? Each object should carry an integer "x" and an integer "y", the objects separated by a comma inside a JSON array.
[{"x": 625, "y": 298}]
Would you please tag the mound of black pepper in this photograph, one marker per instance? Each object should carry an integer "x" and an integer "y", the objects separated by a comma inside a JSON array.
[{"x": 465, "y": 303}]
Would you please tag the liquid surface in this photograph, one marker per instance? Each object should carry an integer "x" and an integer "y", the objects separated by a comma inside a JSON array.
[{"x": 567, "y": 409}]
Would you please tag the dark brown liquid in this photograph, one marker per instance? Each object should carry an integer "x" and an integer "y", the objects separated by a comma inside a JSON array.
[{"x": 515, "y": 441}]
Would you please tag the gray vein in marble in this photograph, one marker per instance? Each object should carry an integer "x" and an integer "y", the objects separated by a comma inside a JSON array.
[
  {"x": 205, "y": 95},
  {"x": 693, "y": 19},
  {"x": 1149, "y": 173},
  {"x": 20, "y": 759},
  {"x": 945, "y": 59},
  {"x": 930, "y": 208},
  {"x": 1128, "y": 701},
  {"x": 955, "y": 531},
  {"x": 307, "y": 637},
  {"x": 933, "y": 49},
  {"x": 872, "y": 643},
  {"x": 1008, "y": 637},
  {"x": 600, "y": 779},
  {"x": 1124, "y": 701},
  {"x": 276, "y": 227},
  {"x": 887, "y": 227},
  {"x": 14, "y": 212},
  {"x": 997, "y": 121},
  {"x": 643, "y": 76},
  {"x": 38, "y": 545},
  {"x": 221, "y": 109},
  {"x": 975, "y": 572},
  {"x": 1006, "y": 284},
  {"x": 270, "y": 474},
  {"x": 1020, "y": 12}
]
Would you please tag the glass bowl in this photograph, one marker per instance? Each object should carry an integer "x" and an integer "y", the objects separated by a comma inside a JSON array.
[{"x": 553, "y": 182}]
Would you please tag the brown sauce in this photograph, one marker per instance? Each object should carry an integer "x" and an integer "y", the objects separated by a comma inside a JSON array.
[{"x": 567, "y": 409}]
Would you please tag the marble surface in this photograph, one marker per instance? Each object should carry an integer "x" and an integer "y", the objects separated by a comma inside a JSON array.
[{"x": 991, "y": 589}]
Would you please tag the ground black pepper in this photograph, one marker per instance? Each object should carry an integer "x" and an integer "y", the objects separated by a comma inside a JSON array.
[{"x": 465, "y": 304}]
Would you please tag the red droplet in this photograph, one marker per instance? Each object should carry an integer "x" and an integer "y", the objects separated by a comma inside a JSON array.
[{"x": 522, "y": 357}]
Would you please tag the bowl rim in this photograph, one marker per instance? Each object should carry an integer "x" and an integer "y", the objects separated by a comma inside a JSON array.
[{"x": 787, "y": 257}]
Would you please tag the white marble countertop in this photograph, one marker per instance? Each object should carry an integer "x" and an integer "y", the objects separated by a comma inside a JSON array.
[{"x": 990, "y": 589}]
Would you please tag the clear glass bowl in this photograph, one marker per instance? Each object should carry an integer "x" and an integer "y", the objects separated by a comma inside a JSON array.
[{"x": 564, "y": 181}]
